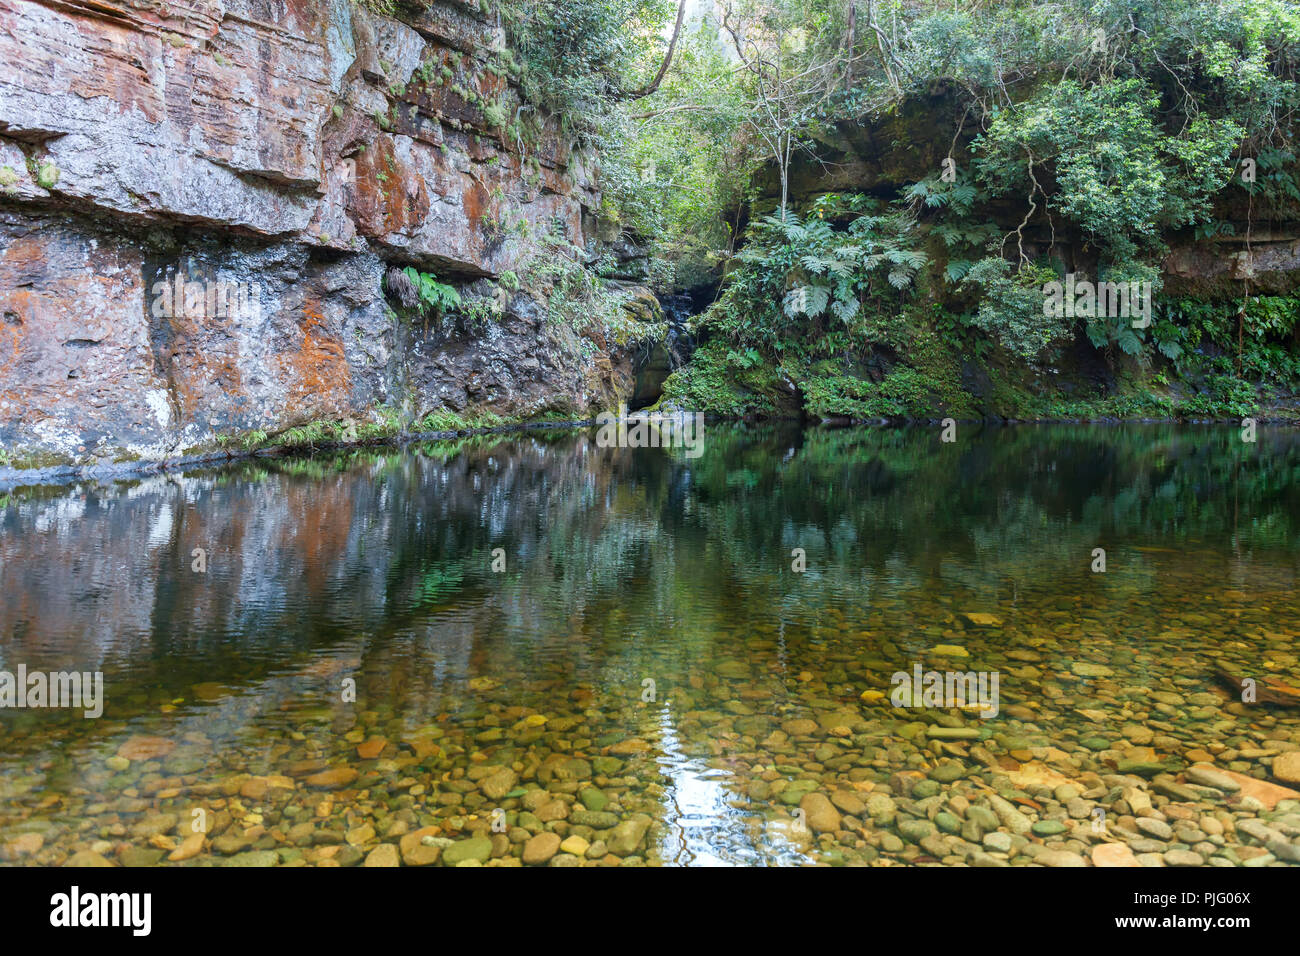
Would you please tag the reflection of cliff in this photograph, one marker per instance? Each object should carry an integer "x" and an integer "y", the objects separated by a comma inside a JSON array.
[
  {"x": 386, "y": 557},
  {"x": 312, "y": 553}
]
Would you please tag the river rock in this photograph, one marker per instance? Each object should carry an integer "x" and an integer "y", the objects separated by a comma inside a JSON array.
[
  {"x": 384, "y": 855},
  {"x": 1060, "y": 858},
  {"x": 576, "y": 845},
  {"x": 332, "y": 779},
  {"x": 915, "y": 831},
  {"x": 478, "y": 849},
  {"x": 1090, "y": 669},
  {"x": 140, "y": 748},
  {"x": 1156, "y": 828},
  {"x": 1207, "y": 776},
  {"x": 849, "y": 802},
  {"x": 625, "y": 838},
  {"x": 415, "y": 851},
  {"x": 85, "y": 858},
  {"x": 25, "y": 845},
  {"x": 1286, "y": 767},
  {"x": 539, "y": 849},
  {"x": 255, "y": 858},
  {"x": 821, "y": 815},
  {"x": 190, "y": 847},
  {"x": 1009, "y": 816},
  {"x": 881, "y": 808},
  {"x": 998, "y": 842},
  {"x": 496, "y": 786},
  {"x": 1113, "y": 855},
  {"x": 596, "y": 820}
]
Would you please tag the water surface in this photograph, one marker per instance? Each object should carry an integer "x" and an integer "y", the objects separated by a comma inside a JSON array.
[{"x": 644, "y": 671}]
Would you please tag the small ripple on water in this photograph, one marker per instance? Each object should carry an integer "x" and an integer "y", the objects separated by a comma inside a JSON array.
[{"x": 708, "y": 825}]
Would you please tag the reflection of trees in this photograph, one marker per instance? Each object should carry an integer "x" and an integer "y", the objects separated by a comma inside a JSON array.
[
  {"x": 1007, "y": 507},
  {"x": 620, "y": 563}
]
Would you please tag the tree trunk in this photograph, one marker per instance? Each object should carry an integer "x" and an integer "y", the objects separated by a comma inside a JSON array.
[
  {"x": 852, "y": 39},
  {"x": 784, "y": 163},
  {"x": 668, "y": 57}
]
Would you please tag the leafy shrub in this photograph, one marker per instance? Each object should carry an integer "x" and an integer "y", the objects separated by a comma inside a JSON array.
[
  {"x": 1011, "y": 311},
  {"x": 415, "y": 289}
]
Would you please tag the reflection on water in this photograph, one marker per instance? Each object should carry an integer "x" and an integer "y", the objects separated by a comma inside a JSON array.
[{"x": 350, "y": 672}]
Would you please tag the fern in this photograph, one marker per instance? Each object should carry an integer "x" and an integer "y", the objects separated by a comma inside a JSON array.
[
  {"x": 957, "y": 269},
  {"x": 1129, "y": 342},
  {"x": 845, "y": 309},
  {"x": 899, "y": 278},
  {"x": 435, "y": 296},
  {"x": 822, "y": 265},
  {"x": 809, "y": 300}
]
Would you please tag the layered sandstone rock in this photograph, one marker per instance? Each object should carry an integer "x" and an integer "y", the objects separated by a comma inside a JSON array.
[{"x": 198, "y": 204}]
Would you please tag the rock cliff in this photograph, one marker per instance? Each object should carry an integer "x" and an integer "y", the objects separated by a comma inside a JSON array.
[{"x": 199, "y": 203}]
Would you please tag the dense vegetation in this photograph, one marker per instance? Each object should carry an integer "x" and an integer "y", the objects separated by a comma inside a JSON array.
[
  {"x": 1030, "y": 140},
  {"x": 875, "y": 194}
]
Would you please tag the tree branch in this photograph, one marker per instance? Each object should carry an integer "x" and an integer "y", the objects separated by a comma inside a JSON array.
[{"x": 668, "y": 57}]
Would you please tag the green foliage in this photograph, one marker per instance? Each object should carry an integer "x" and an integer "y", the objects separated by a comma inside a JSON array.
[
  {"x": 679, "y": 171},
  {"x": 723, "y": 381},
  {"x": 1209, "y": 334},
  {"x": 1072, "y": 155},
  {"x": 385, "y": 8},
  {"x": 576, "y": 59},
  {"x": 1225, "y": 394},
  {"x": 47, "y": 176},
  {"x": 435, "y": 297},
  {"x": 497, "y": 222},
  {"x": 834, "y": 268},
  {"x": 248, "y": 441},
  {"x": 1116, "y": 174},
  {"x": 446, "y": 420},
  {"x": 578, "y": 296},
  {"x": 798, "y": 279},
  {"x": 1011, "y": 309},
  {"x": 904, "y": 393},
  {"x": 1276, "y": 177},
  {"x": 494, "y": 114}
]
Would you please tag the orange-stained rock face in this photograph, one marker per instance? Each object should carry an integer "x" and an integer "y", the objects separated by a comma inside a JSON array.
[
  {"x": 287, "y": 153},
  {"x": 74, "y": 364},
  {"x": 316, "y": 374},
  {"x": 390, "y": 196},
  {"x": 101, "y": 353}
]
